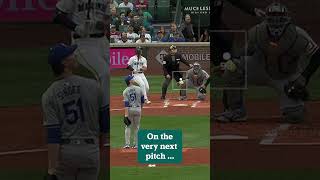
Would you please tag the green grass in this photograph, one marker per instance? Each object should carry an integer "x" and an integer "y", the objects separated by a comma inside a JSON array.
[
  {"x": 34, "y": 175},
  {"x": 161, "y": 173},
  {"x": 195, "y": 129},
  {"x": 266, "y": 175}
]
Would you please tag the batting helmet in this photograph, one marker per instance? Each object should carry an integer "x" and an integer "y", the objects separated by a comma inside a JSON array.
[
  {"x": 128, "y": 78},
  {"x": 59, "y": 52},
  {"x": 139, "y": 50},
  {"x": 277, "y": 19}
]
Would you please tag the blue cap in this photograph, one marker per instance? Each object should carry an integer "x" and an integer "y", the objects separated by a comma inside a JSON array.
[
  {"x": 59, "y": 52},
  {"x": 128, "y": 79}
]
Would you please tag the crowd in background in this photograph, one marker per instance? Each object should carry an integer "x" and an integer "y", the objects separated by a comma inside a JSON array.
[{"x": 132, "y": 23}]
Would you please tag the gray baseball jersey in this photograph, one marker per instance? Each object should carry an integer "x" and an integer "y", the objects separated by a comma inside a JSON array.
[
  {"x": 73, "y": 103},
  {"x": 197, "y": 79},
  {"x": 80, "y": 11},
  {"x": 133, "y": 97},
  {"x": 286, "y": 57}
]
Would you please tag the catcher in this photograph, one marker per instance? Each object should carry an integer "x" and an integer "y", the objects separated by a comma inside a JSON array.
[
  {"x": 197, "y": 78},
  {"x": 133, "y": 102},
  {"x": 280, "y": 55}
]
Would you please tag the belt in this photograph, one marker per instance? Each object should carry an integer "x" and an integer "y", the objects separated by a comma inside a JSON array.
[
  {"x": 138, "y": 72},
  {"x": 77, "y": 141},
  {"x": 134, "y": 106},
  {"x": 98, "y": 35}
]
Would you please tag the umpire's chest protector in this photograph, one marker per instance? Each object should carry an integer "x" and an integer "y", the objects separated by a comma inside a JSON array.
[{"x": 282, "y": 57}]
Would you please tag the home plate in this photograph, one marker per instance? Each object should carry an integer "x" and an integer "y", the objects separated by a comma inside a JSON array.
[
  {"x": 229, "y": 137},
  {"x": 181, "y": 105}
]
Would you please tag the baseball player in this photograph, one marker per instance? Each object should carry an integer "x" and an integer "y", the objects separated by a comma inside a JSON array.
[
  {"x": 170, "y": 65},
  {"x": 197, "y": 78},
  {"x": 76, "y": 126},
  {"x": 280, "y": 55},
  {"x": 137, "y": 64},
  {"x": 133, "y": 101},
  {"x": 87, "y": 19}
]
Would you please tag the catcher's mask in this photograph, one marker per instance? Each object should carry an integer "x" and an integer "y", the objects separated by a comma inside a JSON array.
[
  {"x": 277, "y": 19},
  {"x": 196, "y": 68},
  {"x": 139, "y": 51}
]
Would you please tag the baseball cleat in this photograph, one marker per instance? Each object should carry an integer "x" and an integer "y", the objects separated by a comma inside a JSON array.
[
  {"x": 231, "y": 116},
  {"x": 134, "y": 147},
  {"x": 126, "y": 147},
  {"x": 147, "y": 101}
]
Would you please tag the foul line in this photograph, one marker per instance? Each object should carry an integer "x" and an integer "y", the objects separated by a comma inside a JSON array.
[{"x": 270, "y": 136}]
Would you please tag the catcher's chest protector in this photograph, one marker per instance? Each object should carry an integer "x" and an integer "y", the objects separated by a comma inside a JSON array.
[{"x": 281, "y": 58}]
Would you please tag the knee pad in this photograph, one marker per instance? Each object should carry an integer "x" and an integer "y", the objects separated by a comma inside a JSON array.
[{"x": 294, "y": 114}]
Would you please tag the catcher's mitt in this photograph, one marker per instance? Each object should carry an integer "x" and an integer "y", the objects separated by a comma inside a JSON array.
[
  {"x": 202, "y": 90},
  {"x": 296, "y": 90},
  {"x": 50, "y": 177},
  {"x": 126, "y": 121}
]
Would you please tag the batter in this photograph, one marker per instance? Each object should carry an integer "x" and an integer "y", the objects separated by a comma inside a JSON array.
[
  {"x": 133, "y": 101},
  {"x": 137, "y": 64},
  {"x": 87, "y": 19}
]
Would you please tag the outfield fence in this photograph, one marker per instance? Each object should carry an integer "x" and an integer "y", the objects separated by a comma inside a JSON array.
[{"x": 154, "y": 53}]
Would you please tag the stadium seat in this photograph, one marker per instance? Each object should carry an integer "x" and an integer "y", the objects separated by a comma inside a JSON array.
[
  {"x": 163, "y": 11},
  {"x": 151, "y": 7}
]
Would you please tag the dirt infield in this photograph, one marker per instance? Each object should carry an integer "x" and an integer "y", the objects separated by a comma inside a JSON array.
[
  {"x": 24, "y": 137},
  {"x": 267, "y": 143},
  {"x": 191, "y": 156}
]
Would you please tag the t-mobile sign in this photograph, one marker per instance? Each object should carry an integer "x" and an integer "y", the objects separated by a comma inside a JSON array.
[
  {"x": 119, "y": 57},
  {"x": 27, "y": 10}
]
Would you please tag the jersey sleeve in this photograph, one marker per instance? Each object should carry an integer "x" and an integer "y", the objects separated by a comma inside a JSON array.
[
  {"x": 310, "y": 47},
  {"x": 130, "y": 62},
  {"x": 125, "y": 98},
  {"x": 66, "y": 6},
  {"x": 145, "y": 64},
  {"x": 50, "y": 117}
]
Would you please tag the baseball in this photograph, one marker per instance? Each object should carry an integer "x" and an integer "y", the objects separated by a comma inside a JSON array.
[{"x": 152, "y": 165}]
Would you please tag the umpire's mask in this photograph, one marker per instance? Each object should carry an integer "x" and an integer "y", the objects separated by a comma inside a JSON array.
[{"x": 277, "y": 19}]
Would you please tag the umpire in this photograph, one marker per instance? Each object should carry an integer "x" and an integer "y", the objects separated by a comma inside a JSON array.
[{"x": 171, "y": 64}]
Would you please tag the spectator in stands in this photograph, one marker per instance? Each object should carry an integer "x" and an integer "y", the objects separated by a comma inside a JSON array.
[
  {"x": 162, "y": 30},
  {"x": 174, "y": 35},
  {"x": 159, "y": 37},
  {"x": 146, "y": 20},
  {"x": 130, "y": 15},
  {"x": 205, "y": 37},
  {"x": 136, "y": 23},
  {"x": 187, "y": 29},
  {"x": 114, "y": 34},
  {"x": 141, "y": 4},
  {"x": 114, "y": 16},
  {"x": 124, "y": 39},
  {"x": 143, "y": 39},
  {"x": 122, "y": 21},
  {"x": 126, "y": 3},
  {"x": 113, "y": 4},
  {"x": 144, "y": 31},
  {"x": 132, "y": 36}
]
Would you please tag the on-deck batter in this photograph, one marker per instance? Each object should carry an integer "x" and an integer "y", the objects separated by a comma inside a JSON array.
[
  {"x": 133, "y": 101},
  {"x": 137, "y": 64}
]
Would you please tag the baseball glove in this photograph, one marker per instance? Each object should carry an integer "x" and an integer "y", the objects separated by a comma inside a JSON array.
[
  {"x": 50, "y": 177},
  {"x": 297, "y": 90},
  {"x": 126, "y": 121},
  {"x": 202, "y": 90}
]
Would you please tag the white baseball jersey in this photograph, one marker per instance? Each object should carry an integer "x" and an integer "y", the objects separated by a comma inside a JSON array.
[
  {"x": 136, "y": 63},
  {"x": 80, "y": 11}
]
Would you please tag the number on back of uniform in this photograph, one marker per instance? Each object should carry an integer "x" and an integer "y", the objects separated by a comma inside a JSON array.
[{"x": 73, "y": 111}]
